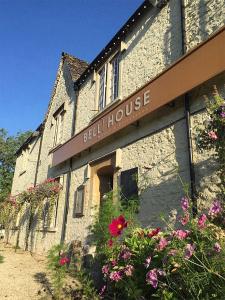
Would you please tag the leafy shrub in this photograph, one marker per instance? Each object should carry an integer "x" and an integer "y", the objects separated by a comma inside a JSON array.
[
  {"x": 172, "y": 264},
  {"x": 57, "y": 264}
]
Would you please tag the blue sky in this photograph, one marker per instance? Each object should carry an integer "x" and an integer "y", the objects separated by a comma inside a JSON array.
[{"x": 33, "y": 33}]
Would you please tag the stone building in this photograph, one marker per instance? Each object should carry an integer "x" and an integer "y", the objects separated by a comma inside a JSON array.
[{"x": 132, "y": 112}]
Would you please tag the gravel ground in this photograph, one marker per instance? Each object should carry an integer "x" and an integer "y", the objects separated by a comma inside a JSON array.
[{"x": 22, "y": 276}]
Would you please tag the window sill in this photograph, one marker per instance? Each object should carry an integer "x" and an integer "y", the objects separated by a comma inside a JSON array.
[
  {"x": 46, "y": 229},
  {"x": 21, "y": 173},
  {"x": 105, "y": 109}
]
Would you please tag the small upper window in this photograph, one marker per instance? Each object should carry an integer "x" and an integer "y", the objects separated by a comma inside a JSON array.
[
  {"x": 58, "y": 126},
  {"x": 108, "y": 82}
]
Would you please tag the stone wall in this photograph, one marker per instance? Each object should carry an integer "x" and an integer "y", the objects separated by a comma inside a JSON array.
[
  {"x": 25, "y": 169},
  {"x": 63, "y": 94},
  {"x": 202, "y": 18}
]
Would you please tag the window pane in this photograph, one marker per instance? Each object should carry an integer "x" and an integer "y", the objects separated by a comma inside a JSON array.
[
  {"x": 115, "y": 78},
  {"x": 102, "y": 88}
]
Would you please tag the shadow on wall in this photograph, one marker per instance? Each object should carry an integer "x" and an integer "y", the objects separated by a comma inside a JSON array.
[
  {"x": 1, "y": 259},
  {"x": 173, "y": 35},
  {"x": 161, "y": 185}
]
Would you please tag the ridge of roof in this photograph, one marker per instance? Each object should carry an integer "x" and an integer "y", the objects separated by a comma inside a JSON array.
[{"x": 34, "y": 134}]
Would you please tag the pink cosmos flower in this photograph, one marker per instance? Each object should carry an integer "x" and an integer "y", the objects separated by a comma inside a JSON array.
[
  {"x": 217, "y": 247},
  {"x": 115, "y": 276},
  {"x": 102, "y": 291},
  {"x": 172, "y": 252},
  {"x": 117, "y": 226},
  {"x": 201, "y": 221},
  {"x": 212, "y": 135},
  {"x": 185, "y": 219},
  {"x": 64, "y": 260},
  {"x": 147, "y": 262},
  {"x": 189, "y": 250},
  {"x": 215, "y": 209},
  {"x": 126, "y": 254},
  {"x": 128, "y": 270},
  {"x": 152, "y": 278},
  {"x": 181, "y": 234},
  {"x": 105, "y": 269},
  {"x": 184, "y": 203},
  {"x": 114, "y": 263},
  {"x": 222, "y": 114},
  {"x": 162, "y": 243}
]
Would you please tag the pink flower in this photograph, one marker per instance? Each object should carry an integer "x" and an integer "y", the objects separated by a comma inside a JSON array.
[
  {"x": 189, "y": 250},
  {"x": 153, "y": 232},
  {"x": 126, "y": 254},
  {"x": 115, "y": 276},
  {"x": 212, "y": 135},
  {"x": 215, "y": 209},
  {"x": 117, "y": 226},
  {"x": 102, "y": 290},
  {"x": 152, "y": 278},
  {"x": 181, "y": 234},
  {"x": 110, "y": 243},
  {"x": 128, "y": 270},
  {"x": 49, "y": 180},
  {"x": 114, "y": 263},
  {"x": 185, "y": 219},
  {"x": 172, "y": 252},
  {"x": 217, "y": 247},
  {"x": 64, "y": 260},
  {"x": 184, "y": 203},
  {"x": 201, "y": 221},
  {"x": 147, "y": 262},
  {"x": 105, "y": 269},
  {"x": 162, "y": 243}
]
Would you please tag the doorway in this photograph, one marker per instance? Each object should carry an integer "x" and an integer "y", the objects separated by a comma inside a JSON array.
[{"x": 103, "y": 177}]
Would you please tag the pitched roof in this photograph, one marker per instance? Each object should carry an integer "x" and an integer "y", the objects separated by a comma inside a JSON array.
[{"x": 76, "y": 65}]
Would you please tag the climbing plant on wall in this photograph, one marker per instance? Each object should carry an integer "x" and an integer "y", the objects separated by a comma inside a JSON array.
[{"x": 34, "y": 199}]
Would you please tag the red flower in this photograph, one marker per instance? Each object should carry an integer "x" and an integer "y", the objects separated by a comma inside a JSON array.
[
  {"x": 110, "y": 243},
  {"x": 154, "y": 232},
  {"x": 117, "y": 225},
  {"x": 64, "y": 260}
]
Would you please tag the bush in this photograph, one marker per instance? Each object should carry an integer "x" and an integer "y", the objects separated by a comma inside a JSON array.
[{"x": 171, "y": 264}]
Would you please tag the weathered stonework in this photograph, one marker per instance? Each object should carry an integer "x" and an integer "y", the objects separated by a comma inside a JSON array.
[{"x": 157, "y": 145}]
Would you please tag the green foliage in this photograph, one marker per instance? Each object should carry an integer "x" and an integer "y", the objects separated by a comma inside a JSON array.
[
  {"x": 110, "y": 208},
  {"x": 32, "y": 201},
  {"x": 179, "y": 276},
  {"x": 8, "y": 147},
  {"x": 88, "y": 289},
  {"x": 57, "y": 271},
  {"x": 212, "y": 136}
]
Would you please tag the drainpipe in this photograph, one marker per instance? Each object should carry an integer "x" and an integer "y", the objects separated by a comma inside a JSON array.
[
  {"x": 188, "y": 123},
  {"x": 39, "y": 155},
  {"x": 68, "y": 181}
]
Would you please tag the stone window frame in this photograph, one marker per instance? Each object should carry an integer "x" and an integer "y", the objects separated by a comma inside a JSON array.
[
  {"x": 108, "y": 100},
  {"x": 58, "y": 122},
  {"x": 53, "y": 224},
  {"x": 79, "y": 213}
]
